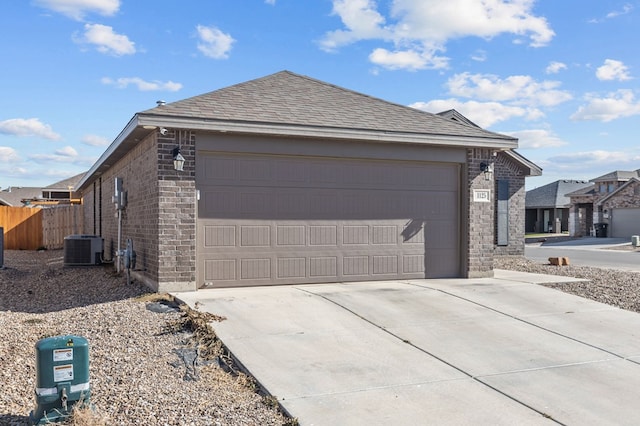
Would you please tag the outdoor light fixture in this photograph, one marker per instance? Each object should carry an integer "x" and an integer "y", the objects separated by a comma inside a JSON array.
[
  {"x": 487, "y": 169},
  {"x": 178, "y": 159}
]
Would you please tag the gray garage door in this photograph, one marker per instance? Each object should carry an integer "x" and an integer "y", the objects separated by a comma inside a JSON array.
[
  {"x": 625, "y": 223},
  {"x": 266, "y": 220}
]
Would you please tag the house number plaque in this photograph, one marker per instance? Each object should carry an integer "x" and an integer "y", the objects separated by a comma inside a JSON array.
[{"x": 481, "y": 195}]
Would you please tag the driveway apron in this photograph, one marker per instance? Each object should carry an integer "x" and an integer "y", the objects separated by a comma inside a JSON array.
[{"x": 499, "y": 350}]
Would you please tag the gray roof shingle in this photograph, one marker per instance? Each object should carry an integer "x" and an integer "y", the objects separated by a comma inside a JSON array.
[
  {"x": 554, "y": 194},
  {"x": 618, "y": 176},
  {"x": 292, "y": 99}
]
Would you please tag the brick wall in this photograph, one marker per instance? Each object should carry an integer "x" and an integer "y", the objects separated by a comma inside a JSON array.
[
  {"x": 507, "y": 169},
  {"x": 177, "y": 213},
  {"x": 628, "y": 197},
  {"x": 160, "y": 213},
  {"x": 480, "y": 229}
]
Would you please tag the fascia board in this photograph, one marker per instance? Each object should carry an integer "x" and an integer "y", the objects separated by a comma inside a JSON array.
[
  {"x": 325, "y": 132},
  {"x": 124, "y": 134}
]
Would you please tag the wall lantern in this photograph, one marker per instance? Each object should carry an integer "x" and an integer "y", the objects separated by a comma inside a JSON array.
[
  {"x": 178, "y": 159},
  {"x": 487, "y": 169}
]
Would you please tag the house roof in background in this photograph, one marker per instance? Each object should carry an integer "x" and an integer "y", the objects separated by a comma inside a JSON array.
[
  {"x": 618, "y": 176},
  {"x": 13, "y": 196},
  {"x": 554, "y": 194},
  {"x": 454, "y": 115},
  {"x": 69, "y": 184}
]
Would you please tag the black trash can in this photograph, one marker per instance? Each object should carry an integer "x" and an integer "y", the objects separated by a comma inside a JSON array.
[{"x": 601, "y": 230}]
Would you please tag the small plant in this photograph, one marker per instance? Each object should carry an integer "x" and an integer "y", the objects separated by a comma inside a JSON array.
[{"x": 85, "y": 415}]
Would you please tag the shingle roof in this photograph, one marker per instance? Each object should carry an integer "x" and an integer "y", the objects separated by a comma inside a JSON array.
[
  {"x": 292, "y": 99},
  {"x": 618, "y": 175},
  {"x": 13, "y": 196},
  {"x": 553, "y": 195},
  {"x": 65, "y": 184}
]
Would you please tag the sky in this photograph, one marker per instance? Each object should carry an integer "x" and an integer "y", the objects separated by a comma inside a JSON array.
[{"x": 561, "y": 76}]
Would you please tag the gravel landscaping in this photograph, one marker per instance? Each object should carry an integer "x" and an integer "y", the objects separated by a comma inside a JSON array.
[
  {"x": 617, "y": 288},
  {"x": 156, "y": 363},
  {"x": 143, "y": 367}
]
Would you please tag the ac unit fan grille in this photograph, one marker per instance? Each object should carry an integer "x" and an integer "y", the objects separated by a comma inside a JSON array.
[{"x": 77, "y": 252}]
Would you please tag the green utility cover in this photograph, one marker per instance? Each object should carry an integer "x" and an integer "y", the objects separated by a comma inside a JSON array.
[{"x": 62, "y": 370}]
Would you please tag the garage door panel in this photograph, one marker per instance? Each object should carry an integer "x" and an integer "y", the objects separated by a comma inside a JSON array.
[
  {"x": 281, "y": 220},
  {"x": 625, "y": 222}
]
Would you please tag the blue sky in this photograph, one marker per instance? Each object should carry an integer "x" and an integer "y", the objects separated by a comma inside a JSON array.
[{"x": 562, "y": 76}]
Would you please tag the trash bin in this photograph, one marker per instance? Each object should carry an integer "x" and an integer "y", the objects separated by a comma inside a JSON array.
[{"x": 601, "y": 230}]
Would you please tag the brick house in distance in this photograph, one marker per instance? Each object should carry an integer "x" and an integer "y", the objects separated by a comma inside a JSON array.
[
  {"x": 287, "y": 179},
  {"x": 613, "y": 199},
  {"x": 548, "y": 207}
]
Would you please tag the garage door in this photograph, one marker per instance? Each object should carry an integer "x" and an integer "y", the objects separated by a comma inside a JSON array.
[
  {"x": 266, "y": 220},
  {"x": 625, "y": 223}
]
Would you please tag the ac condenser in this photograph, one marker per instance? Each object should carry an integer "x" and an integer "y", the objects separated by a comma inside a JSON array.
[{"x": 80, "y": 250}]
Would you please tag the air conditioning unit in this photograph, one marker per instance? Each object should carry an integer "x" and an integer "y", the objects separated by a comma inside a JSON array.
[{"x": 83, "y": 250}]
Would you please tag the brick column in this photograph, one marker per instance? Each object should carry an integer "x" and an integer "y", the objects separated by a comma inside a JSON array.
[
  {"x": 177, "y": 213},
  {"x": 480, "y": 229}
]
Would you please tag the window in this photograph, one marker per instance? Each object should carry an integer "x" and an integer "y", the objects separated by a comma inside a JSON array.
[
  {"x": 612, "y": 187},
  {"x": 603, "y": 188}
]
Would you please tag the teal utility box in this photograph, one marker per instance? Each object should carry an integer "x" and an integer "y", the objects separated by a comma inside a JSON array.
[{"x": 62, "y": 377}]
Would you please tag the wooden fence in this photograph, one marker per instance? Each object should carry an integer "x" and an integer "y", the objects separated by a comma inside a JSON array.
[{"x": 36, "y": 228}]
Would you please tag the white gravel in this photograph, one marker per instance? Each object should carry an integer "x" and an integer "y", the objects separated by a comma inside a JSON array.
[
  {"x": 136, "y": 374},
  {"x": 617, "y": 288}
]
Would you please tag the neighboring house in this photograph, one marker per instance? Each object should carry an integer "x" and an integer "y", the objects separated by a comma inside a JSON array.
[
  {"x": 621, "y": 209},
  {"x": 13, "y": 195},
  {"x": 287, "y": 179},
  {"x": 547, "y": 207},
  {"x": 612, "y": 200},
  {"x": 61, "y": 192}
]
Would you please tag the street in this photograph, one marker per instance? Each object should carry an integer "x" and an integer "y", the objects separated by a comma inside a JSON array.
[{"x": 598, "y": 252}]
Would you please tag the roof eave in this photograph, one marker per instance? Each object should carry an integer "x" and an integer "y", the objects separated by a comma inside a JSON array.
[
  {"x": 142, "y": 124},
  {"x": 532, "y": 168},
  {"x": 290, "y": 130},
  {"x": 131, "y": 134}
]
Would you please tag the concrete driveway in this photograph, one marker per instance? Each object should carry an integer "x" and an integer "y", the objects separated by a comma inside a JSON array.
[{"x": 486, "y": 351}]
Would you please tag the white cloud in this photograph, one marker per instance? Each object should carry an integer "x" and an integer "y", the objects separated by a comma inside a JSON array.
[
  {"x": 65, "y": 155},
  {"x": 615, "y": 105},
  {"x": 484, "y": 114},
  {"x": 627, "y": 8},
  {"x": 519, "y": 89},
  {"x": 28, "y": 127},
  {"x": 409, "y": 59},
  {"x": 613, "y": 70},
  {"x": 77, "y": 9},
  {"x": 8, "y": 155},
  {"x": 271, "y": 2},
  {"x": 67, "y": 151},
  {"x": 106, "y": 40},
  {"x": 213, "y": 42},
  {"x": 94, "y": 140},
  {"x": 596, "y": 157},
  {"x": 144, "y": 86},
  {"x": 419, "y": 29},
  {"x": 479, "y": 55},
  {"x": 555, "y": 67},
  {"x": 536, "y": 138}
]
